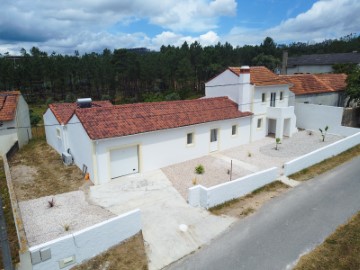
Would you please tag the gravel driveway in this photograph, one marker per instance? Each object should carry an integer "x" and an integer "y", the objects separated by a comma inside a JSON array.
[{"x": 43, "y": 223}]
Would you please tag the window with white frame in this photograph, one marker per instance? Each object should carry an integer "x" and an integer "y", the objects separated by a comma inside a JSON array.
[
  {"x": 263, "y": 97},
  {"x": 234, "y": 130},
  {"x": 259, "y": 123},
  {"x": 281, "y": 95},
  {"x": 189, "y": 138}
]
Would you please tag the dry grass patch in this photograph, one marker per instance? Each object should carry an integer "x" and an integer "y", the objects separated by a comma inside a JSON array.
[
  {"x": 9, "y": 218},
  {"x": 339, "y": 251},
  {"x": 326, "y": 165},
  {"x": 37, "y": 170},
  {"x": 126, "y": 256},
  {"x": 248, "y": 204}
]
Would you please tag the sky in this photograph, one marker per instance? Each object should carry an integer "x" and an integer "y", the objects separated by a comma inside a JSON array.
[{"x": 63, "y": 26}]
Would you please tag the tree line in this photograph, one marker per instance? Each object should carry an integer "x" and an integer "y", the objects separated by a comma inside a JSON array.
[{"x": 126, "y": 75}]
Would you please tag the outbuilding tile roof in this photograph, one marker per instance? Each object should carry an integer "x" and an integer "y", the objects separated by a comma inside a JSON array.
[
  {"x": 123, "y": 120},
  {"x": 64, "y": 111},
  {"x": 316, "y": 83},
  {"x": 8, "y": 103},
  {"x": 261, "y": 76}
]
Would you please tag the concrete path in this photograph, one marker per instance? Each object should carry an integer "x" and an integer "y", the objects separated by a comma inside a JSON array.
[
  {"x": 172, "y": 229},
  {"x": 287, "y": 227},
  {"x": 287, "y": 181}
]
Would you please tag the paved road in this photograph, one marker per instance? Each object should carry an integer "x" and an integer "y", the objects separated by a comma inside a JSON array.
[{"x": 287, "y": 227}]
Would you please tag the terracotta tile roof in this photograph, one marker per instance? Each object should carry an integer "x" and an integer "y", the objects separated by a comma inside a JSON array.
[
  {"x": 64, "y": 111},
  {"x": 130, "y": 119},
  {"x": 8, "y": 103},
  {"x": 261, "y": 76},
  {"x": 336, "y": 81},
  {"x": 316, "y": 83}
]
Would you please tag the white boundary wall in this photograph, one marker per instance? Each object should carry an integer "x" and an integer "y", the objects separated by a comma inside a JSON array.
[
  {"x": 85, "y": 244},
  {"x": 210, "y": 197},
  {"x": 312, "y": 116},
  {"x": 321, "y": 154}
]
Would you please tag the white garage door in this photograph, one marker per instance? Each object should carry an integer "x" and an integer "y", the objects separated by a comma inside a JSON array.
[{"x": 124, "y": 161}]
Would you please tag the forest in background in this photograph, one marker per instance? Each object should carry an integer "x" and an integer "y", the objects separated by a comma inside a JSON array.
[{"x": 135, "y": 75}]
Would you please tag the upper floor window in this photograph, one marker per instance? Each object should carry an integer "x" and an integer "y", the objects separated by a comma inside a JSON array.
[
  {"x": 263, "y": 97},
  {"x": 58, "y": 133},
  {"x": 281, "y": 95}
]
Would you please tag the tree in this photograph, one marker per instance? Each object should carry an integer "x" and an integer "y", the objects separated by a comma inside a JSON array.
[
  {"x": 323, "y": 133},
  {"x": 353, "y": 86},
  {"x": 268, "y": 61}
]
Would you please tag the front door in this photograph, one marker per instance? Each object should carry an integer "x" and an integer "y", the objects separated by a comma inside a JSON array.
[
  {"x": 213, "y": 140},
  {"x": 272, "y": 99}
]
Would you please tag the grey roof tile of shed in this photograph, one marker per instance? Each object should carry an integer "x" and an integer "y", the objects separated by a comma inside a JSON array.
[{"x": 324, "y": 59}]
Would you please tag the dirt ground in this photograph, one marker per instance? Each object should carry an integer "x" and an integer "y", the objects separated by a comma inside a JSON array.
[
  {"x": 37, "y": 170},
  {"x": 126, "y": 256},
  {"x": 250, "y": 203}
]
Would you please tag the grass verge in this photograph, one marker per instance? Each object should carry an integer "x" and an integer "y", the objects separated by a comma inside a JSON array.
[
  {"x": 244, "y": 206},
  {"x": 10, "y": 223},
  {"x": 128, "y": 255},
  {"x": 326, "y": 165},
  {"x": 339, "y": 251}
]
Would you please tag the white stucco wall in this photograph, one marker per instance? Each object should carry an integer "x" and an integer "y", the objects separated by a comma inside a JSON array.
[
  {"x": 89, "y": 242},
  {"x": 51, "y": 127},
  {"x": 80, "y": 145},
  {"x": 260, "y": 107},
  {"x": 329, "y": 99},
  {"x": 165, "y": 147},
  {"x": 321, "y": 154},
  {"x": 225, "y": 84},
  {"x": 210, "y": 197},
  {"x": 7, "y": 136},
  {"x": 310, "y": 69},
  {"x": 23, "y": 122},
  {"x": 312, "y": 116}
]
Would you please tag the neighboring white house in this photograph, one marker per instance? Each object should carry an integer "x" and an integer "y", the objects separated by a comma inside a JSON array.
[
  {"x": 321, "y": 89},
  {"x": 14, "y": 121},
  {"x": 261, "y": 92},
  {"x": 318, "y": 63}
]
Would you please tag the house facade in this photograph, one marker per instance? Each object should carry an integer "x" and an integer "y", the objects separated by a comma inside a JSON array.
[
  {"x": 260, "y": 91},
  {"x": 318, "y": 63},
  {"x": 14, "y": 121},
  {"x": 112, "y": 141},
  {"x": 321, "y": 89}
]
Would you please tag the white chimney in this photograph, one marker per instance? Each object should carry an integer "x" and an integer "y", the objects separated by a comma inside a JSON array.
[{"x": 244, "y": 89}]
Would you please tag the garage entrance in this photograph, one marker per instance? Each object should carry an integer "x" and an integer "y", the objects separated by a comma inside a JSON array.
[{"x": 124, "y": 161}]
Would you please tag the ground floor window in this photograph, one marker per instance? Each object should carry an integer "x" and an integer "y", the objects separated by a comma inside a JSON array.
[
  {"x": 234, "y": 130},
  {"x": 189, "y": 138},
  {"x": 259, "y": 123}
]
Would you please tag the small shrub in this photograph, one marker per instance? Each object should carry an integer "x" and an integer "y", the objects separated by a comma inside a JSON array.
[
  {"x": 199, "y": 169},
  {"x": 310, "y": 133},
  {"x": 323, "y": 133},
  {"x": 194, "y": 181},
  {"x": 51, "y": 203},
  {"x": 249, "y": 154},
  {"x": 277, "y": 141},
  {"x": 66, "y": 227}
]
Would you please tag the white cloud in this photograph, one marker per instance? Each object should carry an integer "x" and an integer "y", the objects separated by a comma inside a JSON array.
[{"x": 326, "y": 19}]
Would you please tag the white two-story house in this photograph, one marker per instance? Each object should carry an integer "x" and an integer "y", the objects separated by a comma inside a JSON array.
[{"x": 260, "y": 91}]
